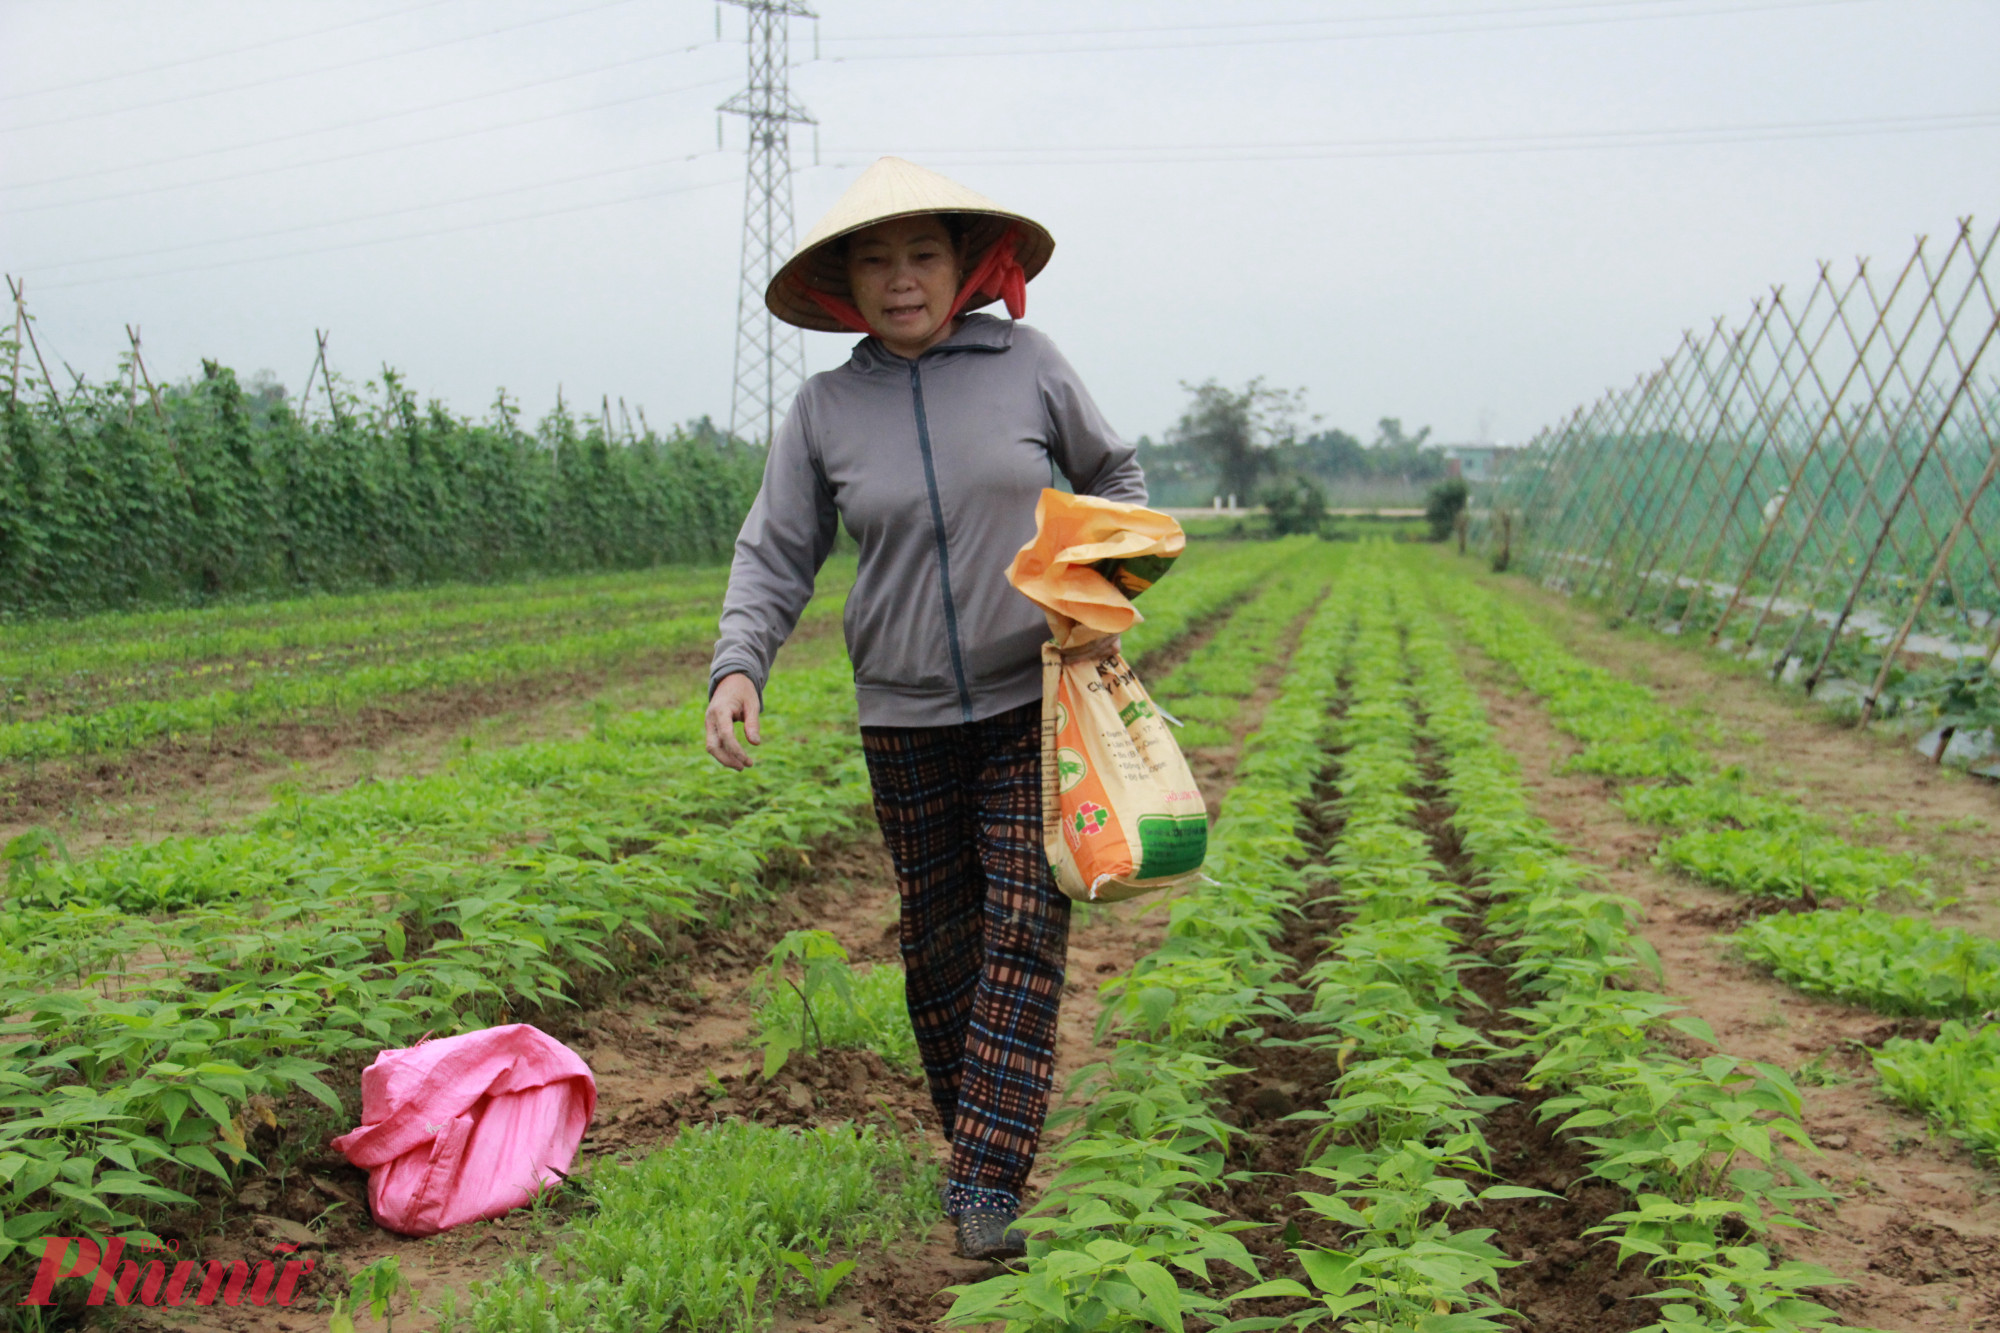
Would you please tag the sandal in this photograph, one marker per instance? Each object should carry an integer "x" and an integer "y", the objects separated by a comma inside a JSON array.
[{"x": 984, "y": 1234}]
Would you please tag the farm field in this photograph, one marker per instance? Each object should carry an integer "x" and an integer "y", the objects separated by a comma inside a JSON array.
[
  {"x": 108, "y": 709},
  {"x": 1538, "y": 986}
]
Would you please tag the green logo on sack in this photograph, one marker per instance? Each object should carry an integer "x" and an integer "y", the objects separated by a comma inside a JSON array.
[
  {"x": 1135, "y": 710},
  {"x": 1062, "y": 718},
  {"x": 1070, "y": 768},
  {"x": 1171, "y": 844},
  {"x": 1090, "y": 818}
]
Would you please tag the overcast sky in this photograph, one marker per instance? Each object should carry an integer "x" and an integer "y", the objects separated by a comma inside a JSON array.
[{"x": 1468, "y": 214}]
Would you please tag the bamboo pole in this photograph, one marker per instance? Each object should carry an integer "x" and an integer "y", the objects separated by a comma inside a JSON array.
[
  {"x": 1795, "y": 477},
  {"x": 1632, "y": 499},
  {"x": 1977, "y": 275},
  {"x": 1572, "y": 493},
  {"x": 1850, "y": 436},
  {"x": 1713, "y": 430},
  {"x": 1888, "y": 524},
  {"x": 139, "y": 365},
  {"x": 1773, "y": 440},
  {"x": 1930, "y": 581},
  {"x": 1560, "y": 495},
  {"x": 1744, "y": 355},
  {"x": 48, "y": 381},
  {"x": 1741, "y": 358},
  {"x": 1677, "y": 428},
  {"x": 20, "y": 315}
]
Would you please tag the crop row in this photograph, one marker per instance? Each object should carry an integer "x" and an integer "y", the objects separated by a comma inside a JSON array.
[
  {"x": 1730, "y": 835},
  {"x": 1208, "y": 689},
  {"x": 169, "y": 998},
  {"x": 119, "y": 656},
  {"x": 711, "y": 1232},
  {"x": 79, "y": 694},
  {"x": 1696, "y": 1143},
  {"x": 297, "y": 621},
  {"x": 1754, "y": 842},
  {"x": 122, "y": 726},
  {"x": 1400, "y": 1143},
  {"x": 1122, "y": 1211},
  {"x": 149, "y": 1048},
  {"x": 1205, "y": 584}
]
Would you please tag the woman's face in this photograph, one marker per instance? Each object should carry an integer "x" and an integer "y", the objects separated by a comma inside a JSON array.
[{"x": 904, "y": 274}]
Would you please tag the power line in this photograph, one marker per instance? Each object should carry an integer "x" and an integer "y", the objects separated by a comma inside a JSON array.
[
  {"x": 309, "y": 73},
  {"x": 1292, "y": 38},
  {"x": 1349, "y": 20},
  {"x": 1668, "y": 137},
  {"x": 1177, "y": 155},
  {"x": 449, "y": 136},
  {"x": 350, "y": 220},
  {"x": 155, "y": 162},
  {"x": 483, "y": 223},
  {"x": 222, "y": 54}
]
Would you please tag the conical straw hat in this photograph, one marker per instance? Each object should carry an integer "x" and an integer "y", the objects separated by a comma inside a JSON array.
[{"x": 893, "y": 188}]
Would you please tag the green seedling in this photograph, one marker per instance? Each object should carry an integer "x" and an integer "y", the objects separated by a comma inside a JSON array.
[
  {"x": 821, "y": 1283},
  {"x": 377, "y": 1286}
]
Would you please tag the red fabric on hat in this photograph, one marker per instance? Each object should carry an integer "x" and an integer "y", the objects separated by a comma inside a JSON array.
[
  {"x": 998, "y": 274},
  {"x": 841, "y": 309}
]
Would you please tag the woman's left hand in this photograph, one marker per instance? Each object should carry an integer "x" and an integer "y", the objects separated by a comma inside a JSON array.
[{"x": 1094, "y": 651}]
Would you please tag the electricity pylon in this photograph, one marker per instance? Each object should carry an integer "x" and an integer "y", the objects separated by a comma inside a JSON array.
[{"x": 770, "y": 354}]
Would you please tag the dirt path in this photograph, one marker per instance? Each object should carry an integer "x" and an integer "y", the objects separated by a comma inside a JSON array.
[
  {"x": 903, "y": 1292},
  {"x": 1904, "y": 802},
  {"x": 1918, "y": 1226}
]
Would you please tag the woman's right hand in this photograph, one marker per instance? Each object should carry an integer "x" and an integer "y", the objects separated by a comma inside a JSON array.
[{"x": 734, "y": 700}]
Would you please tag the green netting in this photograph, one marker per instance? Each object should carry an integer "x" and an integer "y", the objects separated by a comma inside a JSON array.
[{"x": 1814, "y": 488}]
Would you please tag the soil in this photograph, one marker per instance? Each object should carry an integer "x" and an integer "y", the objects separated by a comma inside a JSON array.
[
  {"x": 671, "y": 1048},
  {"x": 1917, "y": 1227},
  {"x": 1901, "y": 800},
  {"x": 904, "y": 1291},
  {"x": 1558, "y": 1280}
]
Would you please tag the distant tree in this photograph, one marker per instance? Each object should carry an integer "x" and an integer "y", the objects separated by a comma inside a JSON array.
[
  {"x": 1234, "y": 430},
  {"x": 1443, "y": 503},
  {"x": 1331, "y": 454},
  {"x": 1389, "y": 435},
  {"x": 1297, "y": 504}
]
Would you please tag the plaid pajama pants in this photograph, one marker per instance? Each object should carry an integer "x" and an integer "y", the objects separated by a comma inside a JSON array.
[{"x": 984, "y": 935}]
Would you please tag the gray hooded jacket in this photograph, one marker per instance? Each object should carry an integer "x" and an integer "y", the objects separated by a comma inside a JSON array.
[{"x": 935, "y": 465}]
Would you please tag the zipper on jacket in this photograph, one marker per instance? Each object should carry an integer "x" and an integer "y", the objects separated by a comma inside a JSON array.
[{"x": 943, "y": 553}]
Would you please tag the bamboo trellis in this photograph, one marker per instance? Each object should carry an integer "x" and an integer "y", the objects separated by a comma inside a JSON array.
[{"x": 1813, "y": 488}]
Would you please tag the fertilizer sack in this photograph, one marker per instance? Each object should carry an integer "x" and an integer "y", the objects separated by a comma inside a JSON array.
[
  {"x": 1120, "y": 812},
  {"x": 469, "y": 1127}
]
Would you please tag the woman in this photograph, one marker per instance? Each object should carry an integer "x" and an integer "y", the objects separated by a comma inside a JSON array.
[{"x": 933, "y": 444}]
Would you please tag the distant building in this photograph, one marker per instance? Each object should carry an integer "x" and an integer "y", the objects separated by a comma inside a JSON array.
[{"x": 1478, "y": 462}]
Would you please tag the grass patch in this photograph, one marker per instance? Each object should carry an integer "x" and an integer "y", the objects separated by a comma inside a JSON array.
[{"x": 712, "y": 1232}]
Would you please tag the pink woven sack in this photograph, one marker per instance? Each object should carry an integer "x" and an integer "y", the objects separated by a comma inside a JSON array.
[{"x": 465, "y": 1128}]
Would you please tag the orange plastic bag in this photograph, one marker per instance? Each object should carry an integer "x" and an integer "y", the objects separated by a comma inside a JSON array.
[{"x": 1120, "y": 811}]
